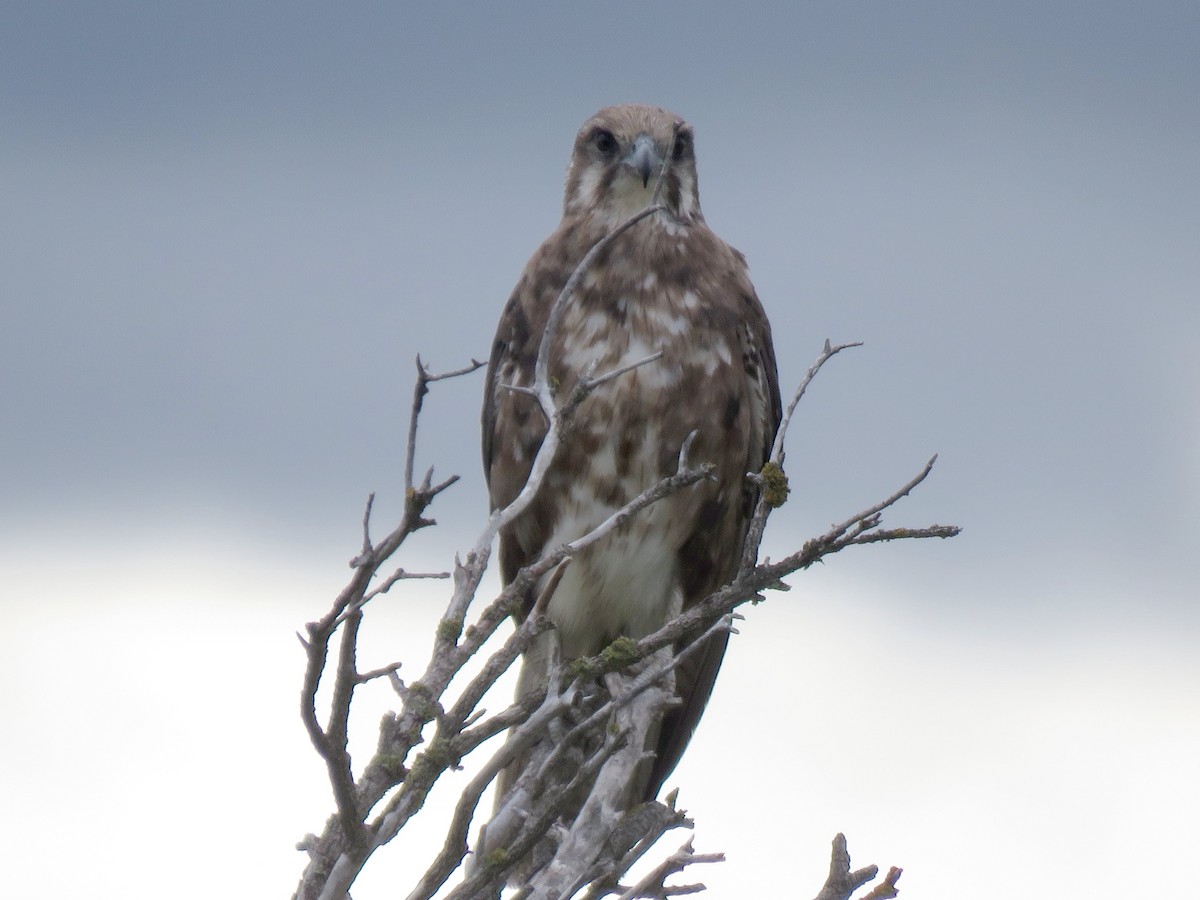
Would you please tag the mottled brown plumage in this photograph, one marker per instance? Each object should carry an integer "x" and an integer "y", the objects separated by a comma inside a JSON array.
[{"x": 668, "y": 284}]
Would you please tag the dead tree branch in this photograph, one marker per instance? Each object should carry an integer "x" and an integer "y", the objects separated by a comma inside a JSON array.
[
  {"x": 596, "y": 708},
  {"x": 353, "y": 834},
  {"x": 842, "y": 883}
]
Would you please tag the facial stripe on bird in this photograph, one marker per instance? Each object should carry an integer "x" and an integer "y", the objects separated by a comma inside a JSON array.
[{"x": 618, "y": 156}]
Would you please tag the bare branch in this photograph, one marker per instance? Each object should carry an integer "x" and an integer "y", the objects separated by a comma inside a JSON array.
[
  {"x": 599, "y": 736},
  {"x": 904, "y": 491},
  {"x": 764, "y": 505},
  {"x": 667, "y": 486},
  {"x": 886, "y": 889},
  {"x": 827, "y": 353},
  {"x": 455, "y": 373},
  {"x": 402, "y": 575},
  {"x": 842, "y": 883},
  {"x": 654, "y": 884},
  {"x": 633, "y": 705},
  {"x": 591, "y": 383},
  {"x": 420, "y": 389},
  {"x": 535, "y": 828},
  {"x": 366, "y": 529},
  {"x": 542, "y": 366},
  {"x": 382, "y": 672},
  {"x": 636, "y": 833},
  {"x": 862, "y": 528},
  {"x": 518, "y": 389}
]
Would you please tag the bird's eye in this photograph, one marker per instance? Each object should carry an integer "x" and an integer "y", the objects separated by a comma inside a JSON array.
[{"x": 605, "y": 142}]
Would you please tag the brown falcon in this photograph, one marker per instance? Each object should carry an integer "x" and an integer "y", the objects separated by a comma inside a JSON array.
[{"x": 668, "y": 284}]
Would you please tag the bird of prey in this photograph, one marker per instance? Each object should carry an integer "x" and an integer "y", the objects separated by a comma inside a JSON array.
[{"x": 668, "y": 285}]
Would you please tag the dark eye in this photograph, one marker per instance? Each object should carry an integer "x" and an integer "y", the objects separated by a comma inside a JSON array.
[
  {"x": 605, "y": 142},
  {"x": 683, "y": 145}
]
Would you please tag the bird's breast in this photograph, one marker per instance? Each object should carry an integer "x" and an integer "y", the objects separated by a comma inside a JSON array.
[{"x": 625, "y": 437}]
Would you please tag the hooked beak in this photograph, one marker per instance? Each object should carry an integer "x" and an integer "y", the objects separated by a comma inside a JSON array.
[{"x": 644, "y": 158}]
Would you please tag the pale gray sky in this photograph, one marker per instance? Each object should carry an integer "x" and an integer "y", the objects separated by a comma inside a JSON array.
[{"x": 228, "y": 228}]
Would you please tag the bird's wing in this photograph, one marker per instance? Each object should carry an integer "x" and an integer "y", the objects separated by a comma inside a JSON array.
[{"x": 712, "y": 554}]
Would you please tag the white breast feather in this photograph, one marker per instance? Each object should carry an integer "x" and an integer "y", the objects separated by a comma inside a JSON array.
[{"x": 628, "y": 582}]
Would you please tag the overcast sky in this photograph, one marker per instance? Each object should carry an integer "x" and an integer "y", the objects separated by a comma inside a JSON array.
[{"x": 227, "y": 229}]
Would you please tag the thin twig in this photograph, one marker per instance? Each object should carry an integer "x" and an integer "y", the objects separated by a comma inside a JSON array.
[
  {"x": 383, "y": 672},
  {"x": 762, "y": 509},
  {"x": 402, "y": 575},
  {"x": 366, "y": 529},
  {"x": 842, "y": 882},
  {"x": 420, "y": 389},
  {"x": 827, "y": 353},
  {"x": 591, "y": 383},
  {"x": 676, "y": 862},
  {"x": 542, "y": 366}
]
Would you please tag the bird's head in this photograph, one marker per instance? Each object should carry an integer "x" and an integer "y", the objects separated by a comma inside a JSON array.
[{"x": 618, "y": 158}]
